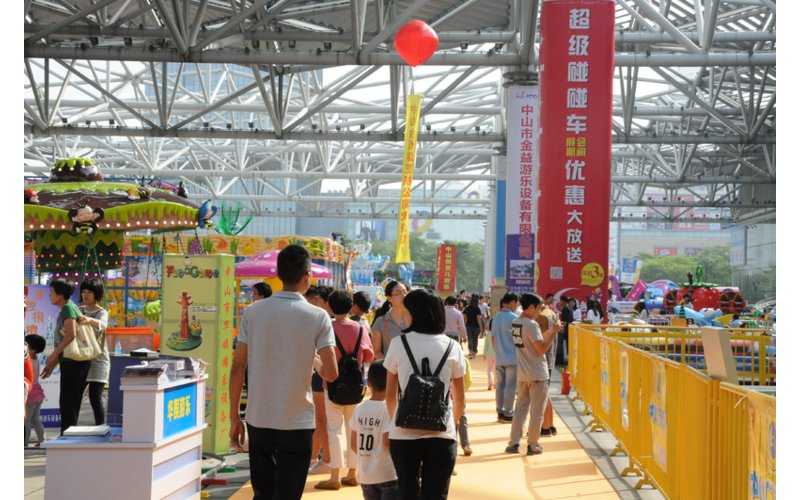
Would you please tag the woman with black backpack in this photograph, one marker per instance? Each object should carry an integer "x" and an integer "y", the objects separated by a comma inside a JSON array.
[{"x": 421, "y": 364}]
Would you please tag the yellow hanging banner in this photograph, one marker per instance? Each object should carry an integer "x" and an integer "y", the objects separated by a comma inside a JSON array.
[{"x": 402, "y": 250}]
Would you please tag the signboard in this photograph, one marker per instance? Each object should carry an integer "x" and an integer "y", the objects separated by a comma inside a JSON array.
[
  {"x": 403, "y": 250},
  {"x": 624, "y": 383},
  {"x": 197, "y": 321},
  {"x": 520, "y": 264},
  {"x": 40, "y": 319},
  {"x": 577, "y": 60},
  {"x": 657, "y": 411},
  {"x": 631, "y": 267},
  {"x": 523, "y": 160},
  {"x": 665, "y": 251},
  {"x": 446, "y": 268},
  {"x": 180, "y": 409},
  {"x": 605, "y": 376},
  {"x": 763, "y": 447}
]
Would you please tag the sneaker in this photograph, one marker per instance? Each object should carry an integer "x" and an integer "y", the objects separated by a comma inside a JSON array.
[
  {"x": 512, "y": 448},
  {"x": 545, "y": 432},
  {"x": 328, "y": 485},
  {"x": 553, "y": 431},
  {"x": 534, "y": 450},
  {"x": 506, "y": 419},
  {"x": 350, "y": 481},
  {"x": 319, "y": 467},
  {"x": 454, "y": 473},
  {"x": 467, "y": 451}
]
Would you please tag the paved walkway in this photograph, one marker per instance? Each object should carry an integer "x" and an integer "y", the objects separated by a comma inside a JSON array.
[
  {"x": 575, "y": 463},
  {"x": 563, "y": 471}
]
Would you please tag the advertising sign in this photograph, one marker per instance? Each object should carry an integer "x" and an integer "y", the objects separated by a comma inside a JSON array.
[
  {"x": 446, "y": 264},
  {"x": 520, "y": 265},
  {"x": 665, "y": 251},
  {"x": 629, "y": 273},
  {"x": 605, "y": 376},
  {"x": 763, "y": 447},
  {"x": 657, "y": 411},
  {"x": 40, "y": 319},
  {"x": 180, "y": 409},
  {"x": 403, "y": 250},
  {"x": 197, "y": 321},
  {"x": 577, "y": 59},
  {"x": 523, "y": 159}
]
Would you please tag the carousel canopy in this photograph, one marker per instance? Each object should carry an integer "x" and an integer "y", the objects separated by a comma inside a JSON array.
[{"x": 265, "y": 265}]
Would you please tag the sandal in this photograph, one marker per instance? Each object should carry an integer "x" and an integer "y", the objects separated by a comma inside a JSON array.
[{"x": 330, "y": 484}]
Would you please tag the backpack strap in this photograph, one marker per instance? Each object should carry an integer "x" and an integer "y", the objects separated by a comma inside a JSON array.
[
  {"x": 358, "y": 342},
  {"x": 410, "y": 356},
  {"x": 444, "y": 358},
  {"x": 339, "y": 344}
]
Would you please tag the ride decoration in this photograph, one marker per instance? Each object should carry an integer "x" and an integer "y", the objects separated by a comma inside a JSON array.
[
  {"x": 76, "y": 220},
  {"x": 703, "y": 295},
  {"x": 228, "y": 223},
  {"x": 416, "y": 42}
]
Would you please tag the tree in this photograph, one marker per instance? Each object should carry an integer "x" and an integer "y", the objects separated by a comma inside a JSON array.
[
  {"x": 469, "y": 260},
  {"x": 715, "y": 261}
]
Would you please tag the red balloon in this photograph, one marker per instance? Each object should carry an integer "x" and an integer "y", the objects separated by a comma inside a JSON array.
[{"x": 416, "y": 42}]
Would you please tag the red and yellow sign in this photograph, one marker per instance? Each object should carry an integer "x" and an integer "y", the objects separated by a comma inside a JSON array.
[
  {"x": 446, "y": 268},
  {"x": 403, "y": 250},
  {"x": 577, "y": 57}
]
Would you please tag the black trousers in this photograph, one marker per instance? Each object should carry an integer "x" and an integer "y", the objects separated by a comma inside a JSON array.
[
  {"x": 96, "y": 399},
  {"x": 473, "y": 333},
  {"x": 73, "y": 384},
  {"x": 278, "y": 462},
  {"x": 427, "y": 461}
]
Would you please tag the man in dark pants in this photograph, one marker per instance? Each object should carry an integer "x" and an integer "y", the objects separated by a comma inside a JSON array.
[{"x": 280, "y": 339}]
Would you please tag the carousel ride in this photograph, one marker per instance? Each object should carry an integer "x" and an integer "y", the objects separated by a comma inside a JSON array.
[{"x": 77, "y": 221}]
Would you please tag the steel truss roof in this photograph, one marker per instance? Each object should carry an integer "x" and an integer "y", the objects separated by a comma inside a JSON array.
[{"x": 262, "y": 101}]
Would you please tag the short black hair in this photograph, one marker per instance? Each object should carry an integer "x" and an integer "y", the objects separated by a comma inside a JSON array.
[
  {"x": 565, "y": 298},
  {"x": 95, "y": 286},
  {"x": 263, "y": 289},
  {"x": 529, "y": 299},
  {"x": 340, "y": 301},
  {"x": 36, "y": 343},
  {"x": 294, "y": 262},
  {"x": 427, "y": 312},
  {"x": 362, "y": 300},
  {"x": 450, "y": 301},
  {"x": 509, "y": 297},
  {"x": 62, "y": 288},
  {"x": 376, "y": 376}
]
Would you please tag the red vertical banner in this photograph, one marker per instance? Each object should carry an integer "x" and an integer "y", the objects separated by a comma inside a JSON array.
[
  {"x": 577, "y": 64},
  {"x": 446, "y": 269}
]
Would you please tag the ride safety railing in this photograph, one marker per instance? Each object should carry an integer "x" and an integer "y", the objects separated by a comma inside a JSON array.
[
  {"x": 688, "y": 435},
  {"x": 753, "y": 348}
]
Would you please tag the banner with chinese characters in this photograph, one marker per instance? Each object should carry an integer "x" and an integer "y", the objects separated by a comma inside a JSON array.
[
  {"x": 403, "y": 250},
  {"x": 520, "y": 264},
  {"x": 522, "y": 172},
  {"x": 446, "y": 268},
  {"x": 577, "y": 60},
  {"x": 763, "y": 447},
  {"x": 197, "y": 305}
]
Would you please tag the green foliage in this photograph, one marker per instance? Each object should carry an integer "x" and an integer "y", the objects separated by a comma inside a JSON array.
[
  {"x": 715, "y": 262},
  {"x": 469, "y": 260}
]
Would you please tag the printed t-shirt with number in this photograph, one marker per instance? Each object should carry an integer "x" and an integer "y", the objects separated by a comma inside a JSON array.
[
  {"x": 370, "y": 421},
  {"x": 531, "y": 366}
]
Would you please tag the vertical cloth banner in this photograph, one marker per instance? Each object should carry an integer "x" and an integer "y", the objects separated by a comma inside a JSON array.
[
  {"x": 523, "y": 186},
  {"x": 446, "y": 268},
  {"x": 197, "y": 321},
  {"x": 577, "y": 58},
  {"x": 403, "y": 250},
  {"x": 762, "y": 447}
]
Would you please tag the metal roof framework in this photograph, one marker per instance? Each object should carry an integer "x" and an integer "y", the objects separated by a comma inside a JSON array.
[{"x": 279, "y": 100}]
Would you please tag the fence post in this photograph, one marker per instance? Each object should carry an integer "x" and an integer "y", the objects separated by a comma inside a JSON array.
[{"x": 762, "y": 360}]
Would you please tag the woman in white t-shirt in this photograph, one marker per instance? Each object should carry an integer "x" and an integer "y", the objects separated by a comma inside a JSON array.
[{"x": 422, "y": 456}]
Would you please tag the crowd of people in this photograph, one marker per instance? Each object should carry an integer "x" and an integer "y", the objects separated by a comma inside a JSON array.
[{"x": 374, "y": 399}]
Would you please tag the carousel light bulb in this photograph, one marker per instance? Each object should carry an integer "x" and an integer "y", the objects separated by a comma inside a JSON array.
[{"x": 52, "y": 226}]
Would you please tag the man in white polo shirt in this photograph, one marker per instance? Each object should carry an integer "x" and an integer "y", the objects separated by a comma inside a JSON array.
[{"x": 280, "y": 339}]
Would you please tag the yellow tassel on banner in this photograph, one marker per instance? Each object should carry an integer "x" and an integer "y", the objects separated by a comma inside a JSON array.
[{"x": 402, "y": 250}]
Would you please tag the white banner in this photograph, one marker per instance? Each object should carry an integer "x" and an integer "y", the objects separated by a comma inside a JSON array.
[{"x": 522, "y": 133}]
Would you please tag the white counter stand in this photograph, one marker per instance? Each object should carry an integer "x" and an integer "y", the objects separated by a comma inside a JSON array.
[{"x": 156, "y": 455}]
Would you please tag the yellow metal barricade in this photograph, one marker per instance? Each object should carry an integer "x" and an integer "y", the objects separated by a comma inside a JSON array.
[{"x": 690, "y": 436}]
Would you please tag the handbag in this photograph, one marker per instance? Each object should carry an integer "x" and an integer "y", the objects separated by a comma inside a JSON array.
[{"x": 84, "y": 346}]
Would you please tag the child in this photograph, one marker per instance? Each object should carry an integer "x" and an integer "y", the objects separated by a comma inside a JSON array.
[
  {"x": 347, "y": 334},
  {"x": 369, "y": 439},
  {"x": 533, "y": 373},
  {"x": 36, "y": 345}
]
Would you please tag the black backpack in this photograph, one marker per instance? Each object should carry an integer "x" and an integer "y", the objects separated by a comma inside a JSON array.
[
  {"x": 348, "y": 388},
  {"x": 424, "y": 403}
]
